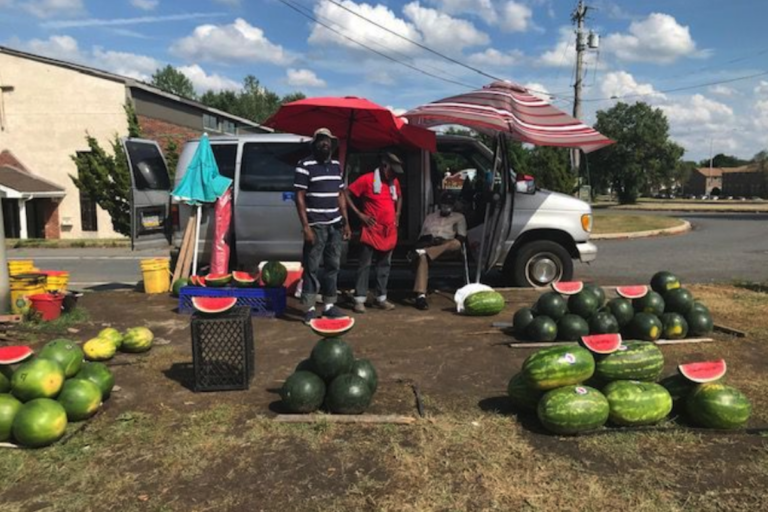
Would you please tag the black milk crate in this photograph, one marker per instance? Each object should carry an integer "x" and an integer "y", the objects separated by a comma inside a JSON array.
[
  {"x": 222, "y": 350},
  {"x": 266, "y": 302}
]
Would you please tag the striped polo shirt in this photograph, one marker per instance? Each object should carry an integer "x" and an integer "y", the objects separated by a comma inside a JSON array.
[{"x": 322, "y": 182}]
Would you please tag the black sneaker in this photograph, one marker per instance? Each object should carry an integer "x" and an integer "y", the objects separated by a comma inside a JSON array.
[
  {"x": 412, "y": 256},
  {"x": 421, "y": 303},
  {"x": 334, "y": 312},
  {"x": 309, "y": 316}
]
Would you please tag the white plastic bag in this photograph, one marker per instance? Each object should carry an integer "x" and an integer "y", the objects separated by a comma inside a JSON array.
[{"x": 464, "y": 292}]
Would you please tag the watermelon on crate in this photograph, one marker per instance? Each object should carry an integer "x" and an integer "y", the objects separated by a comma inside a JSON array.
[
  {"x": 213, "y": 305},
  {"x": 602, "y": 343},
  {"x": 332, "y": 327},
  {"x": 651, "y": 302},
  {"x": 637, "y": 403},
  {"x": 243, "y": 279},
  {"x": 484, "y": 303},
  {"x": 303, "y": 392},
  {"x": 645, "y": 327},
  {"x": 39, "y": 422},
  {"x": 703, "y": 372},
  {"x": 9, "y": 407},
  {"x": 348, "y": 394},
  {"x": 715, "y": 405},
  {"x": 597, "y": 291},
  {"x": 634, "y": 360},
  {"x": 551, "y": 304},
  {"x": 521, "y": 394},
  {"x": 603, "y": 322},
  {"x": 567, "y": 287},
  {"x": 678, "y": 300},
  {"x": 622, "y": 310},
  {"x": 632, "y": 292},
  {"x": 218, "y": 280},
  {"x": 273, "y": 274},
  {"x": 554, "y": 367},
  {"x": 13, "y": 354},
  {"x": 673, "y": 326},
  {"x": 364, "y": 369},
  {"x": 178, "y": 285},
  {"x": 664, "y": 281},
  {"x": 521, "y": 320},
  {"x": 541, "y": 328},
  {"x": 197, "y": 280},
  {"x": 331, "y": 357},
  {"x": 699, "y": 322},
  {"x": 573, "y": 409},
  {"x": 571, "y": 328},
  {"x": 585, "y": 304}
]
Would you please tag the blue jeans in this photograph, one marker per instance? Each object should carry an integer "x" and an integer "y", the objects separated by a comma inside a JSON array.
[
  {"x": 383, "y": 265},
  {"x": 326, "y": 251}
]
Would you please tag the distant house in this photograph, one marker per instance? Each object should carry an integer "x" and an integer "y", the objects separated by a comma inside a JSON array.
[
  {"x": 746, "y": 181},
  {"x": 46, "y": 108},
  {"x": 703, "y": 180}
]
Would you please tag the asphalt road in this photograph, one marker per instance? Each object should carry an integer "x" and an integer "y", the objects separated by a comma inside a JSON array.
[{"x": 721, "y": 247}]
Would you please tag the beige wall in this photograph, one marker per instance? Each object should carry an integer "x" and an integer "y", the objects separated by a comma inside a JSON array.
[{"x": 46, "y": 119}]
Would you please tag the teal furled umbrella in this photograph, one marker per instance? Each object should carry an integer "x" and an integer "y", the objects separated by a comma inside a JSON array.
[{"x": 201, "y": 183}]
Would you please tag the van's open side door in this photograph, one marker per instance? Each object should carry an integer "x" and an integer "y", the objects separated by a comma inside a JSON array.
[
  {"x": 150, "y": 194},
  {"x": 500, "y": 222}
]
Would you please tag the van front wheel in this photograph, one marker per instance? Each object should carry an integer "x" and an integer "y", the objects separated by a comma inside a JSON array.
[{"x": 538, "y": 264}]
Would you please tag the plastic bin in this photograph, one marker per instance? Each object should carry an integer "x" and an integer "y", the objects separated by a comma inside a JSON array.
[
  {"x": 48, "y": 305},
  {"x": 222, "y": 350},
  {"x": 266, "y": 302},
  {"x": 22, "y": 287},
  {"x": 157, "y": 275}
]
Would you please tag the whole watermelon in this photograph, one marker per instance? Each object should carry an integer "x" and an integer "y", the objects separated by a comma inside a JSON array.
[
  {"x": 81, "y": 399},
  {"x": 303, "y": 392},
  {"x": 99, "y": 374},
  {"x": 137, "y": 339},
  {"x": 597, "y": 291},
  {"x": 38, "y": 378},
  {"x": 348, "y": 394},
  {"x": 554, "y": 367},
  {"x": 635, "y": 360},
  {"x": 674, "y": 326},
  {"x": 521, "y": 394},
  {"x": 39, "y": 422},
  {"x": 651, "y": 302},
  {"x": 364, "y": 369},
  {"x": 6, "y": 373},
  {"x": 9, "y": 407},
  {"x": 485, "y": 303},
  {"x": 541, "y": 328},
  {"x": 699, "y": 322},
  {"x": 65, "y": 352},
  {"x": 637, "y": 403},
  {"x": 678, "y": 300},
  {"x": 521, "y": 320},
  {"x": 603, "y": 322},
  {"x": 273, "y": 274},
  {"x": 585, "y": 304},
  {"x": 552, "y": 304},
  {"x": 571, "y": 328},
  {"x": 622, "y": 310},
  {"x": 678, "y": 387},
  {"x": 573, "y": 409},
  {"x": 664, "y": 281},
  {"x": 645, "y": 327},
  {"x": 331, "y": 357},
  {"x": 714, "y": 405}
]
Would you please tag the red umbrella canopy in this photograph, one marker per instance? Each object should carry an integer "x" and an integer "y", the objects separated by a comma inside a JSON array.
[
  {"x": 510, "y": 108},
  {"x": 356, "y": 121}
]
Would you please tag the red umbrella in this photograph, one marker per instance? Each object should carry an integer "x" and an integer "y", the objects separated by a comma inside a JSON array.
[
  {"x": 512, "y": 109},
  {"x": 355, "y": 121}
]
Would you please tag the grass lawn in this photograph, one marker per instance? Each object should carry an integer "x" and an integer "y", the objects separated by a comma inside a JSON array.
[
  {"x": 609, "y": 222},
  {"x": 44, "y": 243}
]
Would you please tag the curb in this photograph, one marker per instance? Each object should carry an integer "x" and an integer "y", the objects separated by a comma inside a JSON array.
[{"x": 676, "y": 230}]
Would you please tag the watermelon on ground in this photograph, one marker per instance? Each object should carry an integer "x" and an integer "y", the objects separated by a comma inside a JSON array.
[
  {"x": 521, "y": 320},
  {"x": 673, "y": 326},
  {"x": 331, "y": 357},
  {"x": 678, "y": 387},
  {"x": 585, "y": 304},
  {"x": 715, "y": 405},
  {"x": 651, "y": 302},
  {"x": 65, "y": 352},
  {"x": 635, "y": 360},
  {"x": 178, "y": 285},
  {"x": 38, "y": 378},
  {"x": 552, "y": 304},
  {"x": 554, "y": 367},
  {"x": 81, "y": 399},
  {"x": 484, "y": 303},
  {"x": 39, "y": 422},
  {"x": 622, "y": 310},
  {"x": 364, "y": 369},
  {"x": 598, "y": 292},
  {"x": 699, "y": 322},
  {"x": 9, "y": 407},
  {"x": 348, "y": 394},
  {"x": 99, "y": 374},
  {"x": 678, "y": 300},
  {"x": 303, "y": 392},
  {"x": 521, "y": 395},
  {"x": 603, "y": 322},
  {"x": 137, "y": 340},
  {"x": 645, "y": 327},
  {"x": 542, "y": 328},
  {"x": 571, "y": 328},
  {"x": 573, "y": 409},
  {"x": 637, "y": 403}
]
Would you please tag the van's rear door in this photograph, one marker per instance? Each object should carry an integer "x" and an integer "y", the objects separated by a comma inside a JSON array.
[
  {"x": 500, "y": 222},
  {"x": 150, "y": 194}
]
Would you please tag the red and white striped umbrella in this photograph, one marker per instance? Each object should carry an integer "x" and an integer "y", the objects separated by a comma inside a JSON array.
[{"x": 510, "y": 108}]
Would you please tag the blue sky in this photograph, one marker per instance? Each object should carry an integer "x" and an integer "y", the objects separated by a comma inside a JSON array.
[{"x": 647, "y": 49}]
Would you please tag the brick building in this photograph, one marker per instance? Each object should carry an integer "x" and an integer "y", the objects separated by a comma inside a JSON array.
[
  {"x": 46, "y": 108},
  {"x": 746, "y": 181},
  {"x": 703, "y": 180}
]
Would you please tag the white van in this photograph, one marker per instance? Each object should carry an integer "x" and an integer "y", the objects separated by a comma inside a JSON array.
[{"x": 533, "y": 235}]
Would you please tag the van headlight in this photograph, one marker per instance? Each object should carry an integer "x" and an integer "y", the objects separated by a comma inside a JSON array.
[{"x": 586, "y": 222}]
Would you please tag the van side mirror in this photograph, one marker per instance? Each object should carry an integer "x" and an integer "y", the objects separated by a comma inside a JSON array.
[{"x": 525, "y": 184}]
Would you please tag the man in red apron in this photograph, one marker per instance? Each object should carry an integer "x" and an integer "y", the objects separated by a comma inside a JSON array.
[{"x": 381, "y": 200}]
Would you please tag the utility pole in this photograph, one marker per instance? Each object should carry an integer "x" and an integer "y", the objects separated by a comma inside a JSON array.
[{"x": 584, "y": 42}]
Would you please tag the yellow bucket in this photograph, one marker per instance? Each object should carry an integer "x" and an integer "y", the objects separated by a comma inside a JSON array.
[
  {"x": 56, "y": 280},
  {"x": 21, "y": 289},
  {"x": 21, "y": 267},
  {"x": 157, "y": 275}
]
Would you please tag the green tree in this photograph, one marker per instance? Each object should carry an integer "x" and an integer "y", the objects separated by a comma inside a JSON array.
[
  {"x": 106, "y": 178},
  {"x": 254, "y": 102},
  {"x": 174, "y": 81},
  {"x": 643, "y": 157},
  {"x": 551, "y": 166},
  {"x": 723, "y": 160}
]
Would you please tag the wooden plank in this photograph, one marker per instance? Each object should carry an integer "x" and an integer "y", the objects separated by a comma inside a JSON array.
[
  {"x": 190, "y": 246},
  {"x": 684, "y": 341},
  {"x": 730, "y": 330},
  {"x": 183, "y": 252},
  {"x": 502, "y": 325},
  {"x": 345, "y": 418},
  {"x": 10, "y": 319}
]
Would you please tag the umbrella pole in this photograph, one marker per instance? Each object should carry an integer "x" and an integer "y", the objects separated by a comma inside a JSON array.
[
  {"x": 197, "y": 239},
  {"x": 480, "y": 260}
]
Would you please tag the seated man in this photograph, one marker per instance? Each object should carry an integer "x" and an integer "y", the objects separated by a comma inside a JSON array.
[{"x": 443, "y": 232}]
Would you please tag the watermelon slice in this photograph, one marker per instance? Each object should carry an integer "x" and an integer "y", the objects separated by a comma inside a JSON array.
[
  {"x": 217, "y": 280},
  {"x": 243, "y": 279},
  {"x": 705, "y": 371},
  {"x": 602, "y": 343},
  {"x": 14, "y": 354},
  {"x": 568, "y": 287},
  {"x": 331, "y": 327},
  {"x": 213, "y": 305},
  {"x": 632, "y": 292},
  {"x": 197, "y": 281}
]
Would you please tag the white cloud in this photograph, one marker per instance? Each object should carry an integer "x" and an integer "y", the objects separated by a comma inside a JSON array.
[
  {"x": 698, "y": 110},
  {"x": 491, "y": 57},
  {"x": 516, "y": 17},
  {"x": 482, "y": 8},
  {"x": 538, "y": 90},
  {"x": 563, "y": 55},
  {"x": 621, "y": 83},
  {"x": 304, "y": 78},
  {"x": 48, "y": 8},
  {"x": 231, "y": 3},
  {"x": 57, "y": 47},
  {"x": 397, "y": 111},
  {"x": 659, "y": 39},
  {"x": 145, "y": 5},
  {"x": 723, "y": 90},
  {"x": 761, "y": 88},
  {"x": 760, "y": 118},
  {"x": 203, "y": 82},
  {"x": 139, "y": 20},
  {"x": 237, "y": 42},
  {"x": 443, "y": 32}
]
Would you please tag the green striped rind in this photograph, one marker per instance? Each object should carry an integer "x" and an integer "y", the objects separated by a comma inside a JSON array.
[
  {"x": 637, "y": 403},
  {"x": 485, "y": 303},
  {"x": 554, "y": 367},
  {"x": 714, "y": 405},
  {"x": 640, "y": 361},
  {"x": 573, "y": 409},
  {"x": 679, "y": 388},
  {"x": 521, "y": 394}
]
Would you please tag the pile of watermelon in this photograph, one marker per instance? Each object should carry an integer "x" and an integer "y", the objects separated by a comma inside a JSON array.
[
  {"x": 576, "y": 389},
  {"x": 106, "y": 344},
  {"x": 330, "y": 378},
  {"x": 40, "y": 396},
  {"x": 575, "y": 309},
  {"x": 273, "y": 275}
]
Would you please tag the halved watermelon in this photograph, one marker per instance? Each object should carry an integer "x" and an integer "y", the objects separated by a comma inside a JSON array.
[
  {"x": 632, "y": 292},
  {"x": 243, "y": 279},
  {"x": 332, "y": 327},
  {"x": 602, "y": 343},
  {"x": 14, "y": 354},
  {"x": 217, "y": 280},
  {"x": 568, "y": 287},
  {"x": 705, "y": 371},
  {"x": 197, "y": 281},
  {"x": 213, "y": 305}
]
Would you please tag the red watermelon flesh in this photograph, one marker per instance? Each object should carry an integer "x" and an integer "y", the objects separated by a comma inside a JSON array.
[
  {"x": 243, "y": 277},
  {"x": 632, "y": 292},
  {"x": 14, "y": 354},
  {"x": 197, "y": 280},
  {"x": 705, "y": 371},
  {"x": 602, "y": 343},
  {"x": 568, "y": 287},
  {"x": 213, "y": 305},
  {"x": 330, "y": 327}
]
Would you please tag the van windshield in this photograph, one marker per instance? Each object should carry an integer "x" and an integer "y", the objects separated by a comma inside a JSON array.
[{"x": 269, "y": 167}]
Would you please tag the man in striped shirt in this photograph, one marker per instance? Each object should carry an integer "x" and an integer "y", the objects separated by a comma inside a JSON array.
[{"x": 322, "y": 209}]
